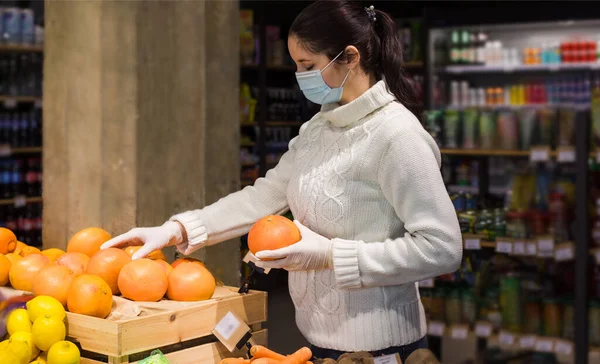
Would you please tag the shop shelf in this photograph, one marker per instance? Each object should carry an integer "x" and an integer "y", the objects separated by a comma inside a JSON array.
[
  {"x": 585, "y": 66},
  {"x": 22, "y": 48},
  {"x": 20, "y": 200}
]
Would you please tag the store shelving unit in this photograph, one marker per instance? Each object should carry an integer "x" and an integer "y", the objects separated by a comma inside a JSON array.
[{"x": 575, "y": 157}]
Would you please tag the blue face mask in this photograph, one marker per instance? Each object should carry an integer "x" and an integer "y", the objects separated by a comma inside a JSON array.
[{"x": 316, "y": 90}]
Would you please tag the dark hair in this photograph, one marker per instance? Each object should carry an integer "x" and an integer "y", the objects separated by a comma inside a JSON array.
[{"x": 329, "y": 26}]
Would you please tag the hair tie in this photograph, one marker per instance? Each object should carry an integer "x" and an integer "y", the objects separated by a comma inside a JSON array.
[{"x": 371, "y": 13}]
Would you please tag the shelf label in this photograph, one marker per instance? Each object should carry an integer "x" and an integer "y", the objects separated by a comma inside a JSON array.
[
  {"x": 563, "y": 347},
  {"x": 519, "y": 248},
  {"x": 544, "y": 345},
  {"x": 506, "y": 338},
  {"x": 20, "y": 201},
  {"x": 566, "y": 155},
  {"x": 472, "y": 244},
  {"x": 564, "y": 252},
  {"x": 546, "y": 244},
  {"x": 436, "y": 328},
  {"x": 505, "y": 247},
  {"x": 10, "y": 103},
  {"x": 539, "y": 154},
  {"x": 427, "y": 283},
  {"x": 459, "y": 332},
  {"x": 527, "y": 341},
  {"x": 483, "y": 329},
  {"x": 5, "y": 150},
  {"x": 531, "y": 248},
  {"x": 231, "y": 331}
]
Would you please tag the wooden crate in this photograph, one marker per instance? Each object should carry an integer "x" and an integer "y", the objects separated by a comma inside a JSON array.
[{"x": 182, "y": 331}]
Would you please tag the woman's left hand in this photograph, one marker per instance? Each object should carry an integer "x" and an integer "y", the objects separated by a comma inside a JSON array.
[{"x": 312, "y": 252}]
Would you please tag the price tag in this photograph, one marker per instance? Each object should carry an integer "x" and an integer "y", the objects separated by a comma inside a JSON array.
[
  {"x": 506, "y": 338},
  {"x": 519, "y": 248},
  {"x": 566, "y": 155},
  {"x": 504, "y": 247},
  {"x": 564, "y": 253},
  {"x": 5, "y": 150},
  {"x": 483, "y": 329},
  {"x": 459, "y": 332},
  {"x": 10, "y": 103},
  {"x": 387, "y": 359},
  {"x": 531, "y": 249},
  {"x": 527, "y": 342},
  {"x": 38, "y": 104},
  {"x": 20, "y": 201},
  {"x": 545, "y": 254},
  {"x": 436, "y": 328},
  {"x": 544, "y": 345},
  {"x": 546, "y": 244},
  {"x": 541, "y": 154},
  {"x": 472, "y": 244},
  {"x": 232, "y": 332},
  {"x": 427, "y": 283},
  {"x": 563, "y": 347},
  {"x": 554, "y": 67}
]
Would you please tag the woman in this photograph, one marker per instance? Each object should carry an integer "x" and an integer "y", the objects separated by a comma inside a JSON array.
[{"x": 362, "y": 179}]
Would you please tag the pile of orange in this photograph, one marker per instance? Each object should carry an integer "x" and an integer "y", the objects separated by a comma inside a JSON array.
[{"x": 84, "y": 278}]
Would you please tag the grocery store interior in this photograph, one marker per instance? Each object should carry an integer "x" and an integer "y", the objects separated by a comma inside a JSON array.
[{"x": 133, "y": 111}]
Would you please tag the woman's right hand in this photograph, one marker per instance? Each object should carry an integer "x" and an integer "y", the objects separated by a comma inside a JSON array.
[{"x": 151, "y": 238}]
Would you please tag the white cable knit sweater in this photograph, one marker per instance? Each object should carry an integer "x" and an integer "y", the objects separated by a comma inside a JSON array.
[{"x": 366, "y": 175}]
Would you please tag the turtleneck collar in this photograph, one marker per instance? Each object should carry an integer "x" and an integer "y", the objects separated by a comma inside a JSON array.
[{"x": 345, "y": 115}]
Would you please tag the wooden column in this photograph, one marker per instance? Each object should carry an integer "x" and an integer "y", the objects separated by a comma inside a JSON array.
[{"x": 141, "y": 115}]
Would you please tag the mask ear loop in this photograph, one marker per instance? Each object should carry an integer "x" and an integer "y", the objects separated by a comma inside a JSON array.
[
  {"x": 333, "y": 60},
  {"x": 345, "y": 78}
]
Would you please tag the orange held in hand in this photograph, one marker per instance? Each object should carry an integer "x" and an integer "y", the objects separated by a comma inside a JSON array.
[
  {"x": 8, "y": 241},
  {"x": 88, "y": 241},
  {"x": 55, "y": 281},
  {"x": 143, "y": 280},
  {"x": 107, "y": 264},
  {"x": 190, "y": 282},
  {"x": 90, "y": 295},
  {"x": 23, "y": 271},
  {"x": 271, "y": 233}
]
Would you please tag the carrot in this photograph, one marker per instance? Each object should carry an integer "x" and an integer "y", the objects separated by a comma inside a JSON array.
[
  {"x": 232, "y": 361},
  {"x": 259, "y": 351},
  {"x": 299, "y": 357},
  {"x": 266, "y": 361}
]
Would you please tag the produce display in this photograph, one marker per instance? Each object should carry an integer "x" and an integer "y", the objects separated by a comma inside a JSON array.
[
  {"x": 262, "y": 355},
  {"x": 83, "y": 279}
]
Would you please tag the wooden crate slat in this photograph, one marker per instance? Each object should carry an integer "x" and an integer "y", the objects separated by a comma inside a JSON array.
[
  {"x": 166, "y": 328},
  {"x": 94, "y": 334},
  {"x": 90, "y": 361},
  {"x": 210, "y": 353}
]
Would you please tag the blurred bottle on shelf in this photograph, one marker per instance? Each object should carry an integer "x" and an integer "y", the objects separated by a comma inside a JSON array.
[{"x": 17, "y": 26}]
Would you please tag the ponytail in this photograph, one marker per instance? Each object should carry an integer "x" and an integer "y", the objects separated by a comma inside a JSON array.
[{"x": 390, "y": 64}]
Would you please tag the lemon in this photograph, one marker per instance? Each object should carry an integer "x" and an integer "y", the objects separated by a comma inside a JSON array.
[
  {"x": 8, "y": 357},
  {"x": 45, "y": 306},
  {"x": 41, "y": 359},
  {"x": 64, "y": 352},
  {"x": 18, "y": 320},
  {"x": 21, "y": 351},
  {"x": 27, "y": 338},
  {"x": 3, "y": 345},
  {"x": 47, "y": 331}
]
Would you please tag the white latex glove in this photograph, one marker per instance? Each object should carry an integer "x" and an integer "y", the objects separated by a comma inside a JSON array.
[
  {"x": 312, "y": 252},
  {"x": 151, "y": 239}
]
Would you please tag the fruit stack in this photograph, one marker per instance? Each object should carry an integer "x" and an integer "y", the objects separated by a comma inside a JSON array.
[
  {"x": 36, "y": 334},
  {"x": 84, "y": 278}
]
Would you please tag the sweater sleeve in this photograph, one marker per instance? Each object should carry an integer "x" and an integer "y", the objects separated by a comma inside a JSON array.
[
  {"x": 410, "y": 179},
  {"x": 233, "y": 215}
]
